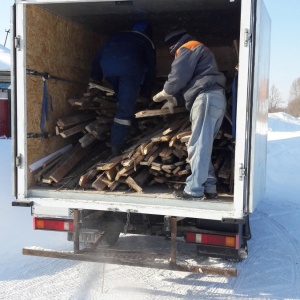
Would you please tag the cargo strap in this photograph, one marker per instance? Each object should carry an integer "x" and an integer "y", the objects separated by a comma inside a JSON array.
[
  {"x": 47, "y": 101},
  {"x": 49, "y": 76},
  {"x": 43, "y": 135}
]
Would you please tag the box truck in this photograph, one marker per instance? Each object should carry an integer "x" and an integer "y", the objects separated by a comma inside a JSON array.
[{"x": 54, "y": 42}]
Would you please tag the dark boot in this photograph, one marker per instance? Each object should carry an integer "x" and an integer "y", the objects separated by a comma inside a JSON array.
[{"x": 116, "y": 151}]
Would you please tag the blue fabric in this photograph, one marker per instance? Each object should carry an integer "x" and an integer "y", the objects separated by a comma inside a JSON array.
[
  {"x": 47, "y": 101},
  {"x": 143, "y": 27},
  {"x": 126, "y": 89},
  {"x": 128, "y": 62},
  {"x": 206, "y": 117},
  {"x": 127, "y": 54}
]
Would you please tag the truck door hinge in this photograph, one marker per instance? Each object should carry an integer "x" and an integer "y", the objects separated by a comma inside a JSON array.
[
  {"x": 19, "y": 161},
  {"x": 18, "y": 42},
  {"x": 247, "y": 37},
  {"x": 242, "y": 172}
]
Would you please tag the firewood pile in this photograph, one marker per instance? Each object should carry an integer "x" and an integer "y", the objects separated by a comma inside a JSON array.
[{"x": 155, "y": 152}]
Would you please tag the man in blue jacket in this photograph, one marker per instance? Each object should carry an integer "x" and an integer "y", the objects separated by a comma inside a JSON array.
[
  {"x": 195, "y": 76},
  {"x": 128, "y": 62}
]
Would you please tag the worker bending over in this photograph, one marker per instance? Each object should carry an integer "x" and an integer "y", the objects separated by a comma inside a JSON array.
[
  {"x": 128, "y": 62},
  {"x": 195, "y": 75}
]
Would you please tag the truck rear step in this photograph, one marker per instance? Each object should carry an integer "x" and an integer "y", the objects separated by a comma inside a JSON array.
[{"x": 131, "y": 258}]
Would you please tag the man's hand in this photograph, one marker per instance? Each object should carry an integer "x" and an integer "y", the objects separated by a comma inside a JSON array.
[
  {"x": 170, "y": 104},
  {"x": 161, "y": 96}
]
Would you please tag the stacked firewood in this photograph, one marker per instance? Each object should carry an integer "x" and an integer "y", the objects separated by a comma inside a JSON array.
[
  {"x": 159, "y": 156},
  {"x": 155, "y": 154}
]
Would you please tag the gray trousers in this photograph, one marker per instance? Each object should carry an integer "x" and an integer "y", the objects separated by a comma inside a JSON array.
[{"x": 206, "y": 117}]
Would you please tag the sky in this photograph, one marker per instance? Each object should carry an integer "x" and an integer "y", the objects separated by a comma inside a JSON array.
[
  {"x": 271, "y": 271},
  {"x": 285, "y": 42}
]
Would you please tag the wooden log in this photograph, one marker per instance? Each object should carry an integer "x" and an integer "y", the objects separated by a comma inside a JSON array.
[
  {"x": 136, "y": 157},
  {"x": 101, "y": 88},
  {"x": 111, "y": 173},
  {"x": 183, "y": 134},
  {"x": 99, "y": 184},
  {"x": 177, "y": 124},
  {"x": 114, "y": 185},
  {"x": 133, "y": 184},
  {"x": 123, "y": 171},
  {"x": 160, "y": 179},
  {"x": 47, "y": 167},
  {"x": 142, "y": 177},
  {"x": 148, "y": 147},
  {"x": 75, "y": 155},
  {"x": 73, "y": 130},
  {"x": 176, "y": 170},
  {"x": 108, "y": 165},
  {"x": 87, "y": 140},
  {"x": 154, "y": 156},
  {"x": 84, "y": 101},
  {"x": 166, "y": 152},
  {"x": 85, "y": 178},
  {"x": 74, "y": 120},
  {"x": 159, "y": 112},
  {"x": 97, "y": 129}
]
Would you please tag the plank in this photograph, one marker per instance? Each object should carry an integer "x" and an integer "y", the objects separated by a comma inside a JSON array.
[
  {"x": 123, "y": 171},
  {"x": 111, "y": 173},
  {"x": 73, "y": 130},
  {"x": 74, "y": 120},
  {"x": 130, "y": 181},
  {"x": 101, "y": 88},
  {"x": 85, "y": 178},
  {"x": 75, "y": 155},
  {"x": 113, "y": 162},
  {"x": 99, "y": 184},
  {"x": 158, "y": 112},
  {"x": 87, "y": 140}
]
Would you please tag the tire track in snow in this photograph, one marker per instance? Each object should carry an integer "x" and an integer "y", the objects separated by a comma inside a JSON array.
[{"x": 276, "y": 248}]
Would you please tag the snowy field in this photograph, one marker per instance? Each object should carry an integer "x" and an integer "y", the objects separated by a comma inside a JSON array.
[{"x": 272, "y": 270}]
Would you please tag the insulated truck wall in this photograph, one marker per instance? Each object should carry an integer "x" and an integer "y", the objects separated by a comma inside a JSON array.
[{"x": 60, "y": 38}]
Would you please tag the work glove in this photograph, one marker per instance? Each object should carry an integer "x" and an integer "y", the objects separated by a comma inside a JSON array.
[
  {"x": 170, "y": 104},
  {"x": 161, "y": 96}
]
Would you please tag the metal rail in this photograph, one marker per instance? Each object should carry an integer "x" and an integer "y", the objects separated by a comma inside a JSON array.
[{"x": 131, "y": 258}]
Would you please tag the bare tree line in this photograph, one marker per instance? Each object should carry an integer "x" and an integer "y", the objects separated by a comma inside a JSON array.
[{"x": 275, "y": 103}]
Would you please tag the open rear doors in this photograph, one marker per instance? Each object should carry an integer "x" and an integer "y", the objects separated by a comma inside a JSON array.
[
  {"x": 252, "y": 106},
  {"x": 259, "y": 104}
]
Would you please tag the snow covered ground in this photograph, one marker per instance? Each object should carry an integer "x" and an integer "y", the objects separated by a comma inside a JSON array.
[{"x": 272, "y": 270}]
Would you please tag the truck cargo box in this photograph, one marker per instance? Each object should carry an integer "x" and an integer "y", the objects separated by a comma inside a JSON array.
[{"x": 60, "y": 38}]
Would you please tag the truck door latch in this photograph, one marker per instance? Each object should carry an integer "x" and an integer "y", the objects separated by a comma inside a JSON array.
[
  {"x": 19, "y": 160},
  {"x": 18, "y": 42},
  {"x": 242, "y": 172},
  {"x": 247, "y": 37}
]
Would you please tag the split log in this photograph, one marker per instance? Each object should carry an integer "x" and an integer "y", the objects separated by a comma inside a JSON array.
[
  {"x": 158, "y": 112},
  {"x": 74, "y": 156},
  {"x": 73, "y": 130},
  {"x": 74, "y": 120},
  {"x": 87, "y": 140}
]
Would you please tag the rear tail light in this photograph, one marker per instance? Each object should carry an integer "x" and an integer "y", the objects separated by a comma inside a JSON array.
[
  {"x": 53, "y": 224},
  {"x": 211, "y": 239}
]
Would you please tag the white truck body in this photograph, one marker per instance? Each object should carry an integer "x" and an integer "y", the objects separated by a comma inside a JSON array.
[{"x": 253, "y": 45}]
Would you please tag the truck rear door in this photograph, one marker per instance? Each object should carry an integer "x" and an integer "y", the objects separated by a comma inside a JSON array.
[
  {"x": 259, "y": 104},
  {"x": 251, "y": 119},
  {"x": 13, "y": 101},
  {"x": 19, "y": 118}
]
